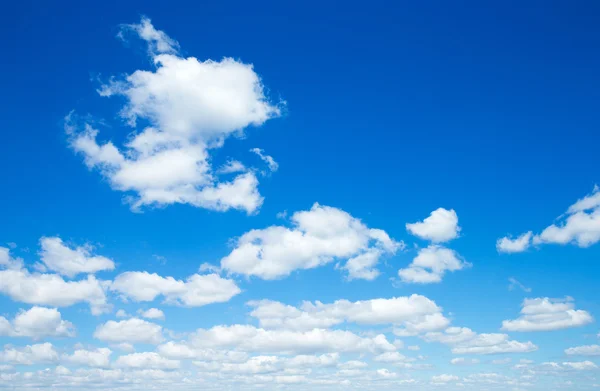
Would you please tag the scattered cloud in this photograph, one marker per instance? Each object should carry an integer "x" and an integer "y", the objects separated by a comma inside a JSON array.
[
  {"x": 465, "y": 341},
  {"x": 71, "y": 261},
  {"x": 271, "y": 163},
  {"x": 441, "y": 226},
  {"x": 516, "y": 245},
  {"x": 413, "y": 313},
  {"x": 544, "y": 314},
  {"x": 318, "y": 236},
  {"x": 588, "y": 350},
  {"x": 132, "y": 330},
  {"x": 152, "y": 313},
  {"x": 197, "y": 290},
  {"x": 36, "y": 323},
  {"x": 430, "y": 265},
  {"x": 514, "y": 283}
]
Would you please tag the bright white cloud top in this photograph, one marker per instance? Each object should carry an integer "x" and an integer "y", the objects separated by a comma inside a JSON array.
[
  {"x": 440, "y": 226},
  {"x": 192, "y": 107}
]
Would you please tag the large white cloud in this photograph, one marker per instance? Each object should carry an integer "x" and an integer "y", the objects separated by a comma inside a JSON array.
[
  {"x": 70, "y": 262},
  {"x": 430, "y": 265},
  {"x": 543, "y": 314},
  {"x": 132, "y": 330},
  {"x": 440, "y": 226},
  {"x": 196, "y": 291},
  {"x": 191, "y": 106},
  {"x": 465, "y": 341},
  {"x": 318, "y": 236},
  {"x": 37, "y": 322},
  {"x": 410, "y": 312}
]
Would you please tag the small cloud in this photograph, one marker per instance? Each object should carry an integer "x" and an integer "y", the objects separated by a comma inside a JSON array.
[
  {"x": 273, "y": 165},
  {"x": 514, "y": 283}
]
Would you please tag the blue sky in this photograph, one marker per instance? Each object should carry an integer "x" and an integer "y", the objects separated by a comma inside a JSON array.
[{"x": 425, "y": 179}]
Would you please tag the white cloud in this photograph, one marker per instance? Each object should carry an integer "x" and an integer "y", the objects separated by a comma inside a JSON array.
[
  {"x": 516, "y": 245},
  {"x": 440, "y": 226},
  {"x": 588, "y": 350},
  {"x": 444, "y": 378},
  {"x": 465, "y": 341},
  {"x": 37, "y": 322},
  {"x": 231, "y": 167},
  {"x": 52, "y": 289},
  {"x": 464, "y": 361},
  {"x": 251, "y": 339},
  {"x": 192, "y": 106},
  {"x": 271, "y": 163},
  {"x": 146, "y": 360},
  {"x": 152, "y": 313},
  {"x": 70, "y": 262},
  {"x": 318, "y": 236},
  {"x": 430, "y": 265},
  {"x": 543, "y": 314},
  {"x": 132, "y": 330},
  {"x": 98, "y": 358},
  {"x": 7, "y": 261},
  {"x": 514, "y": 283},
  {"x": 158, "y": 41},
  {"x": 415, "y": 313},
  {"x": 580, "y": 366},
  {"x": 30, "y": 354},
  {"x": 196, "y": 291}
]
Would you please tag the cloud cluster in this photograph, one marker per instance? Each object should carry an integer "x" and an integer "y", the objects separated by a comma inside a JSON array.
[
  {"x": 318, "y": 236},
  {"x": 190, "y": 107},
  {"x": 412, "y": 313}
]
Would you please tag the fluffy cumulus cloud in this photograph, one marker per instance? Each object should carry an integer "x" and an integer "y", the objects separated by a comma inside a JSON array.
[
  {"x": 514, "y": 245},
  {"x": 440, "y": 226},
  {"x": 190, "y": 107},
  {"x": 197, "y": 290},
  {"x": 579, "y": 225},
  {"x": 465, "y": 341},
  {"x": 543, "y": 314},
  {"x": 430, "y": 265},
  {"x": 132, "y": 330},
  {"x": 318, "y": 236},
  {"x": 36, "y": 323},
  {"x": 587, "y": 350},
  {"x": 413, "y": 314},
  {"x": 69, "y": 262},
  {"x": 50, "y": 289}
]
